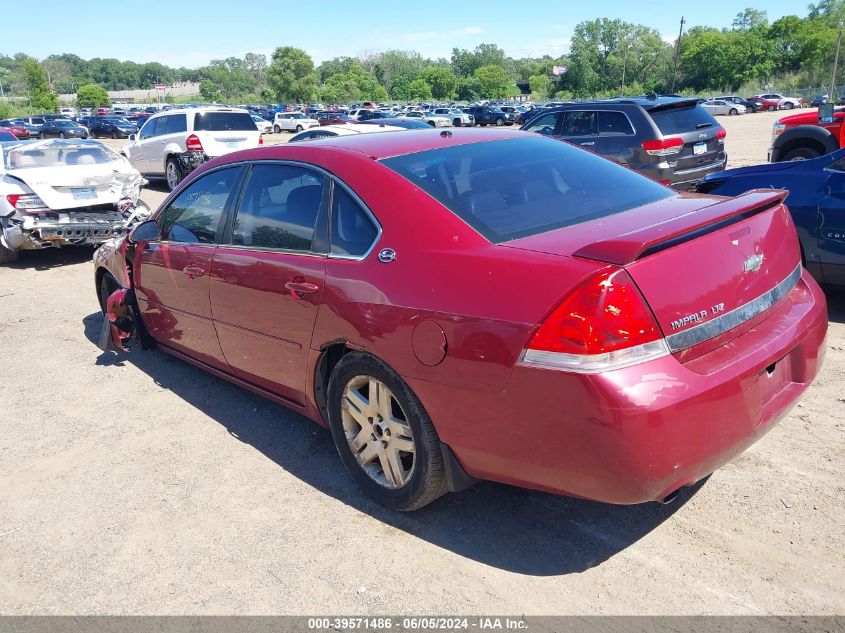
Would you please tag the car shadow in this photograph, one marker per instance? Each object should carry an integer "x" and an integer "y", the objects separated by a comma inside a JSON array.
[
  {"x": 835, "y": 303},
  {"x": 45, "y": 259},
  {"x": 510, "y": 528}
]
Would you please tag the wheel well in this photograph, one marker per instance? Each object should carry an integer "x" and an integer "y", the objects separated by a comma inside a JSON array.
[
  {"x": 329, "y": 359},
  {"x": 809, "y": 143}
]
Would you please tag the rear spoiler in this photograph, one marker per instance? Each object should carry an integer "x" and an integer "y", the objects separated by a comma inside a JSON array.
[{"x": 629, "y": 247}]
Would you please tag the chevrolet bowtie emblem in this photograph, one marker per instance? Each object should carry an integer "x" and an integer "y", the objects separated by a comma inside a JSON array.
[{"x": 753, "y": 263}]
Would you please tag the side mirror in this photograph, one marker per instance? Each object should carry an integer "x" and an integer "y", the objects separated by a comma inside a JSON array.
[
  {"x": 131, "y": 137},
  {"x": 826, "y": 113},
  {"x": 144, "y": 232}
]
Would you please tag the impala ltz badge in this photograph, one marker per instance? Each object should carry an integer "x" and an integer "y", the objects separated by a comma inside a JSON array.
[{"x": 753, "y": 263}]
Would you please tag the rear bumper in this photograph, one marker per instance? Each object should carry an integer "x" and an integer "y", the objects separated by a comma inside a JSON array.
[{"x": 636, "y": 434}]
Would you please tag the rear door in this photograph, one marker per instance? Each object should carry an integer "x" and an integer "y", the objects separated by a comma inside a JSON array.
[
  {"x": 267, "y": 281},
  {"x": 695, "y": 127},
  {"x": 140, "y": 152},
  {"x": 616, "y": 139},
  {"x": 172, "y": 274}
]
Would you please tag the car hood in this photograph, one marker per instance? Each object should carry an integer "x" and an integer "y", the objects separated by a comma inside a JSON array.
[{"x": 753, "y": 169}]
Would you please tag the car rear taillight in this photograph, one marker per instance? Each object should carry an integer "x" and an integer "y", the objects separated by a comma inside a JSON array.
[
  {"x": 602, "y": 325},
  {"x": 663, "y": 146},
  {"x": 27, "y": 203},
  {"x": 261, "y": 140},
  {"x": 193, "y": 143},
  {"x": 721, "y": 134}
]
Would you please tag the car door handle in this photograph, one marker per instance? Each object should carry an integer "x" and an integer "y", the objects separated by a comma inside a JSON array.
[
  {"x": 589, "y": 143},
  {"x": 194, "y": 271},
  {"x": 299, "y": 288}
]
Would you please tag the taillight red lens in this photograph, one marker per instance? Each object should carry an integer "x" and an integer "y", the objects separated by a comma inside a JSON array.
[
  {"x": 721, "y": 133},
  {"x": 193, "y": 143},
  {"x": 663, "y": 146},
  {"x": 605, "y": 313},
  {"x": 261, "y": 140}
]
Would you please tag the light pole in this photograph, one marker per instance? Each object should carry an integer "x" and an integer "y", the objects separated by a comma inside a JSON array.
[
  {"x": 677, "y": 54},
  {"x": 835, "y": 63}
]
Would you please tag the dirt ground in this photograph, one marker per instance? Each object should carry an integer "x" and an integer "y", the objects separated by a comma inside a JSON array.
[{"x": 140, "y": 485}]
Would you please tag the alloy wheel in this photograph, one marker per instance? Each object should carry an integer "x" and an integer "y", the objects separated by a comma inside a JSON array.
[
  {"x": 378, "y": 433},
  {"x": 172, "y": 175}
]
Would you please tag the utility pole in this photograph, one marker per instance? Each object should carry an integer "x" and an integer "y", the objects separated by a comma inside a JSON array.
[
  {"x": 833, "y": 94},
  {"x": 677, "y": 53}
]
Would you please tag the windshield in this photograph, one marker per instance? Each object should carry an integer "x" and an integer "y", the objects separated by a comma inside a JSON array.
[
  {"x": 514, "y": 188},
  {"x": 56, "y": 153},
  {"x": 224, "y": 122}
]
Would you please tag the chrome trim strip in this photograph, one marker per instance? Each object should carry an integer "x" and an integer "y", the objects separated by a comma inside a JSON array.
[
  {"x": 738, "y": 316},
  {"x": 594, "y": 363}
]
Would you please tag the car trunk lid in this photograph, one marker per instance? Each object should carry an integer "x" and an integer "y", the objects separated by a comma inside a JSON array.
[
  {"x": 76, "y": 186},
  {"x": 703, "y": 272}
]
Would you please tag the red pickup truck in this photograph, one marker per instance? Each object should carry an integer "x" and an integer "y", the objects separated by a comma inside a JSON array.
[{"x": 806, "y": 135}]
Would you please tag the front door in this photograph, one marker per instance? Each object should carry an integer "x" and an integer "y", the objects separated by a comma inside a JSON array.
[
  {"x": 172, "y": 274},
  {"x": 267, "y": 283},
  {"x": 832, "y": 226}
]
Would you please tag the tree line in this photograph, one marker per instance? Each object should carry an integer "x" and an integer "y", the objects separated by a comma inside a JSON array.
[{"x": 606, "y": 57}]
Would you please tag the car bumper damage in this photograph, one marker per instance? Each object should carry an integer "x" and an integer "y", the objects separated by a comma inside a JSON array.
[
  {"x": 109, "y": 215},
  {"x": 190, "y": 160}
]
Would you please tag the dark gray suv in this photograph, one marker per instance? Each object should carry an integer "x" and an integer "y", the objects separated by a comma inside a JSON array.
[{"x": 670, "y": 139}]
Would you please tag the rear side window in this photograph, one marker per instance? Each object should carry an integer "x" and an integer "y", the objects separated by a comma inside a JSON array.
[
  {"x": 514, "y": 188},
  {"x": 224, "y": 122},
  {"x": 579, "y": 123},
  {"x": 195, "y": 214},
  {"x": 279, "y": 208},
  {"x": 353, "y": 232},
  {"x": 681, "y": 120},
  {"x": 614, "y": 124},
  {"x": 176, "y": 123}
]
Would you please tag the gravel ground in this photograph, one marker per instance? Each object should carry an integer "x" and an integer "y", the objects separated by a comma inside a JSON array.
[{"x": 140, "y": 485}]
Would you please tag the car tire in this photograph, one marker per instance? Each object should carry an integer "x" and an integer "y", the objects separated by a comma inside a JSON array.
[
  {"x": 7, "y": 256},
  {"x": 771, "y": 108},
  {"x": 432, "y": 123},
  {"x": 61, "y": 135},
  {"x": 801, "y": 153},
  {"x": 788, "y": 105},
  {"x": 500, "y": 122},
  {"x": 114, "y": 135},
  {"x": 277, "y": 129},
  {"x": 298, "y": 129},
  {"x": 173, "y": 173},
  {"x": 415, "y": 477},
  {"x": 733, "y": 111}
]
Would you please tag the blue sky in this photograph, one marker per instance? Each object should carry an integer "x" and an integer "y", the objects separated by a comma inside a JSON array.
[{"x": 191, "y": 32}]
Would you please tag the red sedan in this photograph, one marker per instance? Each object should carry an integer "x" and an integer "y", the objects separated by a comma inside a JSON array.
[
  {"x": 480, "y": 304},
  {"x": 19, "y": 131}
]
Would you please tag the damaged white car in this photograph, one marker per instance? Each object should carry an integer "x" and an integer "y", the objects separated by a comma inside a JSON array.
[{"x": 63, "y": 192}]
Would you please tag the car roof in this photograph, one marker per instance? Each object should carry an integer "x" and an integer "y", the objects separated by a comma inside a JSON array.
[
  {"x": 199, "y": 109},
  {"x": 378, "y": 146}
]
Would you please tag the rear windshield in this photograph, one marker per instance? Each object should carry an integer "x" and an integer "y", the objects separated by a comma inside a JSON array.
[
  {"x": 514, "y": 188},
  {"x": 224, "y": 121},
  {"x": 682, "y": 120}
]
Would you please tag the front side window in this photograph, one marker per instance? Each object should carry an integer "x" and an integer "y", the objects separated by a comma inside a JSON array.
[
  {"x": 149, "y": 129},
  {"x": 194, "y": 216},
  {"x": 353, "y": 232},
  {"x": 544, "y": 125},
  {"x": 279, "y": 208}
]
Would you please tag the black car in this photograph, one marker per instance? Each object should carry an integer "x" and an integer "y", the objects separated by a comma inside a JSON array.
[
  {"x": 819, "y": 100},
  {"x": 62, "y": 128},
  {"x": 670, "y": 139},
  {"x": 490, "y": 115},
  {"x": 113, "y": 126}
]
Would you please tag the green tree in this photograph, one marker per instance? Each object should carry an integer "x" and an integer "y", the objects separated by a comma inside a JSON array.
[
  {"x": 469, "y": 89},
  {"x": 92, "y": 95},
  {"x": 493, "y": 82},
  {"x": 291, "y": 74},
  {"x": 750, "y": 19},
  {"x": 419, "y": 90},
  {"x": 540, "y": 86},
  {"x": 42, "y": 98},
  {"x": 442, "y": 81},
  {"x": 466, "y": 62},
  {"x": 356, "y": 84}
]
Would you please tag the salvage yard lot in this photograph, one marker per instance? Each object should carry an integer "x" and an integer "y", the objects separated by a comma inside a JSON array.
[{"x": 139, "y": 484}]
